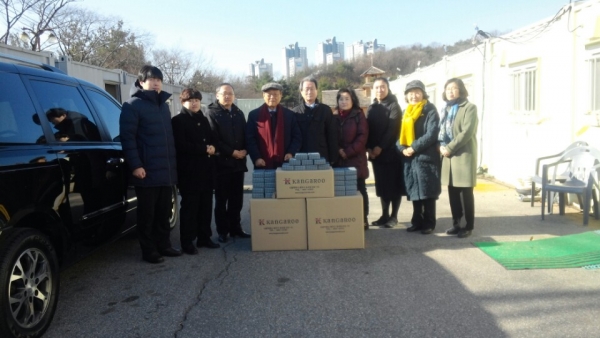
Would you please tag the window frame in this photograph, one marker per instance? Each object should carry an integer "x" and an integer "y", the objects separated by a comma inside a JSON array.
[
  {"x": 524, "y": 99},
  {"x": 37, "y": 103},
  {"x": 592, "y": 69},
  {"x": 102, "y": 120}
]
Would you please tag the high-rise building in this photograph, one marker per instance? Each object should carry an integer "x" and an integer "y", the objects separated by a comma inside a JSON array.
[
  {"x": 294, "y": 60},
  {"x": 258, "y": 68},
  {"x": 358, "y": 49},
  {"x": 329, "y": 52}
]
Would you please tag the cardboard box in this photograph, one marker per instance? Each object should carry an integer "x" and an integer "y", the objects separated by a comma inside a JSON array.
[
  {"x": 304, "y": 184},
  {"x": 335, "y": 223},
  {"x": 278, "y": 224}
]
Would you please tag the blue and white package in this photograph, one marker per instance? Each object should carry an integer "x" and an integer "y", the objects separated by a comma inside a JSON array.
[
  {"x": 314, "y": 156},
  {"x": 258, "y": 173},
  {"x": 301, "y": 156}
]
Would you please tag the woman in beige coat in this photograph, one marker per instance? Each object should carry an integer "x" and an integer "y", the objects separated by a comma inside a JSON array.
[{"x": 458, "y": 146}]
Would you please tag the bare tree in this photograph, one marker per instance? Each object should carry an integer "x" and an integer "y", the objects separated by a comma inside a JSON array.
[
  {"x": 45, "y": 12},
  {"x": 79, "y": 32},
  {"x": 13, "y": 11},
  {"x": 87, "y": 37},
  {"x": 177, "y": 65}
]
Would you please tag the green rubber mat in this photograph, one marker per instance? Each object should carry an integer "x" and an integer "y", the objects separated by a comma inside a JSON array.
[{"x": 572, "y": 251}]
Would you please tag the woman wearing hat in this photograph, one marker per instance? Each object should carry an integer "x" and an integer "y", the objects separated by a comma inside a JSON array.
[
  {"x": 458, "y": 146},
  {"x": 418, "y": 144},
  {"x": 194, "y": 143},
  {"x": 384, "y": 127}
]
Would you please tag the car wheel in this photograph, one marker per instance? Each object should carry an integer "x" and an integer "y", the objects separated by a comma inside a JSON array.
[
  {"x": 29, "y": 281},
  {"x": 174, "y": 208}
]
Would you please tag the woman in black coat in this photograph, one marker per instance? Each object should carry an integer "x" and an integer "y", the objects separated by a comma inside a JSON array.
[
  {"x": 194, "y": 141},
  {"x": 420, "y": 157},
  {"x": 383, "y": 117}
]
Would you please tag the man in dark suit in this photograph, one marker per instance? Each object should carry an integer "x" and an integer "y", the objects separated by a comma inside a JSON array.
[
  {"x": 272, "y": 133},
  {"x": 316, "y": 121},
  {"x": 229, "y": 123}
]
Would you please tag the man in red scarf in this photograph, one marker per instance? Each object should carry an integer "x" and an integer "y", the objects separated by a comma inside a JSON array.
[{"x": 272, "y": 133}]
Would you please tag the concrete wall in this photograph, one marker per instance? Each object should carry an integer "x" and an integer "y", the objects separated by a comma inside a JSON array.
[{"x": 511, "y": 141}]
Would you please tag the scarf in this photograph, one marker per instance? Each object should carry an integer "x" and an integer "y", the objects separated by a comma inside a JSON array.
[
  {"x": 447, "y": 121},
  {"x": 271, "y": 146},
  {"x": 407, "y": 129},
  {"x": 344, "y": 113}
]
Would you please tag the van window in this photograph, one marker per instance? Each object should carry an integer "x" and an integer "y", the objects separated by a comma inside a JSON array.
[
  {"x": 66, "y": 110},
  {"x": 19, "y": 123},
  {"x": 108, "y": 110}
]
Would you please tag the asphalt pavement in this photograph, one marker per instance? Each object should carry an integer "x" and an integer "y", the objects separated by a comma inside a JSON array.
[{"x": 401, "y": 285}]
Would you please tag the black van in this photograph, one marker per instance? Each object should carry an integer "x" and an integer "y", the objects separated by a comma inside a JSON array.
[{"x": 63, "y": 186}]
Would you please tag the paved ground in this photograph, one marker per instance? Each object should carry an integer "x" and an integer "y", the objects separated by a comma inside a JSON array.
[{"x": 402, "y": 285}]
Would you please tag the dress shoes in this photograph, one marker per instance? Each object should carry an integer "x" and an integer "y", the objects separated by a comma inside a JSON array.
[
  {"x": 223, "y": 238},
  {"x": 453, "y": 231},
  {"x": 427, "y": 231},
  {"x": 392, "y": 222},
  {"x": 240, "y": 234},
  {"x": 153, "y": 257},
  {"x": 381, "y": 221},
  {"x": 190, "y": 250},
  {"x": 170, "y": 252},
  {"x": 464, "y": 233},
  {"x": 413, "y": 228},
  {"x": 208, "y": 244}
]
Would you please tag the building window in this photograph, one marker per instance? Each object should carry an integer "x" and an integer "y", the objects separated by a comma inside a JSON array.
[
  {"x": 594, "y": 83},
  {"x": 524, "y": 89}
]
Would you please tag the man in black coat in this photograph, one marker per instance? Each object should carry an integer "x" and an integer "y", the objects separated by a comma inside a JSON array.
[
  {"x": 319, "y": 128},
  {"x": 229, "y": 124},
  {"x": 272, "y": 132},
  {"x": 149, "y": 149}
]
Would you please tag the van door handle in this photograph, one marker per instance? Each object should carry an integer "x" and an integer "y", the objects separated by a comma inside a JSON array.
[{"x": 115, "y": 161}]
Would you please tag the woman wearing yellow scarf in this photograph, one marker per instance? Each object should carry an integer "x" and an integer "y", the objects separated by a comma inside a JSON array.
[{"x": 418, "y": 144}]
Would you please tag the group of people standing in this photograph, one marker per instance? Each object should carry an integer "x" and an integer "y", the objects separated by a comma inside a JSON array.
[
  {"x": 416, "y": 151},
  {"x": 412, "y": 153},
  {"x": 199, "y": 153}
]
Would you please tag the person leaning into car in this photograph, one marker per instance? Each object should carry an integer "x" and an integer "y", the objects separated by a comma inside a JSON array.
[{"x": 149, "y": 150}]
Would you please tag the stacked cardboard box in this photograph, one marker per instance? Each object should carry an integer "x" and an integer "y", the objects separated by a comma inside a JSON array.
[{"x": 306, "y": 214}]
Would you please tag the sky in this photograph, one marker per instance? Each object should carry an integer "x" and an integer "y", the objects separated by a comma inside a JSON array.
[{"x": 232, "y": 34}]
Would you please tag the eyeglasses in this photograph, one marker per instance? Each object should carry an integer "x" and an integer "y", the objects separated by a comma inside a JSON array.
[
  {"x": 272, "y": 94},
  {"x": 226, "y": 94}
]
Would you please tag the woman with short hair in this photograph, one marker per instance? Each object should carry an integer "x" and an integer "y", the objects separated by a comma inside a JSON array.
[
  {"x": 194, "y": 144},
  {"x": 353, "y": 133},
  {"x": 418, "y": 144},
  {"x": 458, "y": 146}
]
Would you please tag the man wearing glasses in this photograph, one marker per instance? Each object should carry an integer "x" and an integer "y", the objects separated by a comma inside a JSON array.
[
  {"x": 272, "y": 133},
  {"x": 229, "y": 123}
]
